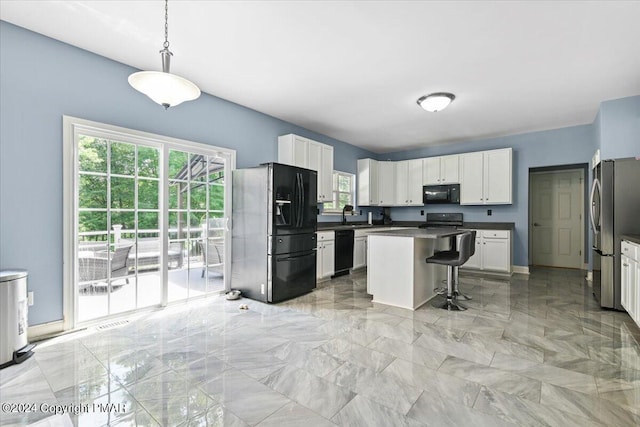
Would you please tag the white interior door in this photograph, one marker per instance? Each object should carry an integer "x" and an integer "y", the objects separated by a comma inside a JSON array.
[{"x": 556, "y": 227}]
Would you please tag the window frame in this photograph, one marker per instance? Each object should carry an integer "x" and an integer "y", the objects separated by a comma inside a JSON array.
[{"x": 335, "y": 193}]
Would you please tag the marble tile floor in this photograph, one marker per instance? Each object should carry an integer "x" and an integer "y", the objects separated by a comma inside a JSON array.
[{"x": 530, "y": 351}]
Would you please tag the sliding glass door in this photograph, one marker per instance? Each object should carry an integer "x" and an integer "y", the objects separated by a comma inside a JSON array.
[{"x": 148, "y": 223}]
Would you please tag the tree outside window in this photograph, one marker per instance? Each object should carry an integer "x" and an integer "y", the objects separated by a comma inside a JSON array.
[{"x": 343, "y": 192}]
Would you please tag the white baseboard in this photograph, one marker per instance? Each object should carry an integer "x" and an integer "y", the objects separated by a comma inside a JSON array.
[
  {"x": 521, "y": 269},
  {"x": 45, "y": 329}
]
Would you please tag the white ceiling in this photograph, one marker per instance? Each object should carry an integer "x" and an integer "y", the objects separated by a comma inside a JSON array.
[{"x": 353, "y": 70}]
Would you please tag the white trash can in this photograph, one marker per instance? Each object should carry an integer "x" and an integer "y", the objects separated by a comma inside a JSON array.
[{"x": 14, "y": 346}]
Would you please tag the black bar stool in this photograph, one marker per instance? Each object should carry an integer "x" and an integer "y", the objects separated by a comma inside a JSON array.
[
  {"x": 456, "y": 291},
  {"x": 453, "y": 259}
]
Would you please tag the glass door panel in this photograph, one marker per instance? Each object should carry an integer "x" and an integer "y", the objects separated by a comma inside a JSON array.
[
  {"x": 197, "y": 223},
  {"x": 118, "y": 223}
]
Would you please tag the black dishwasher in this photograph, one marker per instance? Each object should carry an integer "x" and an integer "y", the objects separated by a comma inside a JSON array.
[{"x": 344, "y": 252}]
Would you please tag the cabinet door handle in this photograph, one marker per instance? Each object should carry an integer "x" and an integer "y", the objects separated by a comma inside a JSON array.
[{"x": 625, "y": 265}]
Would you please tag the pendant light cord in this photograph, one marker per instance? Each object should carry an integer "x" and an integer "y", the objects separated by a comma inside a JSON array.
[{"x": 166, "y": 24}]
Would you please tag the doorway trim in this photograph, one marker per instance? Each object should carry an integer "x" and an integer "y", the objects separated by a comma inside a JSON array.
[
  {"x": 584, "y": 169},
  {"x": 70, "y": 127}
]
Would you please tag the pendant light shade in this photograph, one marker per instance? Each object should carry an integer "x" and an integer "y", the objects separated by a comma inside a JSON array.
[
  {"x": 436, "y": 101},
  {"x": 163, "y": 87}
]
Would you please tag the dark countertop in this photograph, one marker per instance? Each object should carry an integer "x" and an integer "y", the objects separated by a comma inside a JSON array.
[
  {"x": 490, "y": 225},
  {"x": 421, "y": 233},
  {"x": 328, "y": 226},
  {"x": 631, "y": 237}
]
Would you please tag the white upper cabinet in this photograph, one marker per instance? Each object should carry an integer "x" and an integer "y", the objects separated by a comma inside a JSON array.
[
  {"x": 298, "y": 151},
  {"x": 367, "y": 182},
  {"x": 440, "y": 170},
  {"x": 325, "y": 178},
  {"x": 409, "y": 183},
  {"x": 486, "y": 177},
  {"x": 293, "y": 150},
  {"x": 498, "y": 176},
  {"x": 471, "y": 186},
  {"x": 386, "y": 183}
]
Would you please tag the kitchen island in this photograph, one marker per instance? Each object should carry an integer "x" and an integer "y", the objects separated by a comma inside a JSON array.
[{"x": 397, "y": 273}]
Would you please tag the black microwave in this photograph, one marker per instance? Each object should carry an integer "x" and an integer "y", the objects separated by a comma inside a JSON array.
[{"x": 432, "y": 194}]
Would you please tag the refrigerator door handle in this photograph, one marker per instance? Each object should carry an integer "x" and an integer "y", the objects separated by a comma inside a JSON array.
[
  {"x": 595, "y": 187},
  {"x": 302, "y": 200},
  {"x": 300, "y": 209}
]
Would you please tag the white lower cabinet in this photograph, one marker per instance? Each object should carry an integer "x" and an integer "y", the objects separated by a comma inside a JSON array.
[
  {"x": 493, "y": 252},
  {"x": 630, "y": 279},
  {"x": 359, "y": 252},
  {"x": 325, "y": 254}
]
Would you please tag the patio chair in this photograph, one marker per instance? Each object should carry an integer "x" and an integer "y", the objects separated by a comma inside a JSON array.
[
  {"x": 212, "y": 256},
  {"x": 94, "y": 267}
]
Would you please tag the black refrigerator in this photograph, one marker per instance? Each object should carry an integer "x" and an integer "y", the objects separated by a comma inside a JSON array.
[
  {"x": 615, "y": 210},
  {"x": 274, "y": 218}
]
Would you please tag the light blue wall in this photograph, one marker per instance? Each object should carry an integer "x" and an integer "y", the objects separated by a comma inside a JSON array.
[
  {"x": 42, "y": 80},
  {"x": 620, "y": 128},
  {"x": 565, "y": 146},
  {"x": 615, "y": 130}
]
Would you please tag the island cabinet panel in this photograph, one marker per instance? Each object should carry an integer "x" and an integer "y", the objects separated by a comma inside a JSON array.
[{"x": 397, "y": 273}]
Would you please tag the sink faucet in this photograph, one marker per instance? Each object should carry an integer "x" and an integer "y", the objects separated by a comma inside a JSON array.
[{"x": 347, "y": 208}]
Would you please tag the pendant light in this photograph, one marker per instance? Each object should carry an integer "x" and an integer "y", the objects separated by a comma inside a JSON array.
[
  {"x": 163, "y": 87},
  {"x": 435, "y": 102}
]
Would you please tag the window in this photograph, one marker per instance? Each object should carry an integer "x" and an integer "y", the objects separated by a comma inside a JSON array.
[{"x": 344, "y": 192}]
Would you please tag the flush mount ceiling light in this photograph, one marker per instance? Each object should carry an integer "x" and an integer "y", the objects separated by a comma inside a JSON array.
[
  {"x": 435, "y": 102},
  {"x": 163, "y": 87}
]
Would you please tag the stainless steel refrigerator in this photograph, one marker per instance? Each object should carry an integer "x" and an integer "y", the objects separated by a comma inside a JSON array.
[
  {"x": 274, "y": 218},
  {"x": 615, "y": 210}
]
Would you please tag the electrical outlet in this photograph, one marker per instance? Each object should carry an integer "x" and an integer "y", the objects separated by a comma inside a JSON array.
[
  {"x": 30, "y": 298},
  {"x": 489, "y": 212},
  {"x": 422, "y": 212}
]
